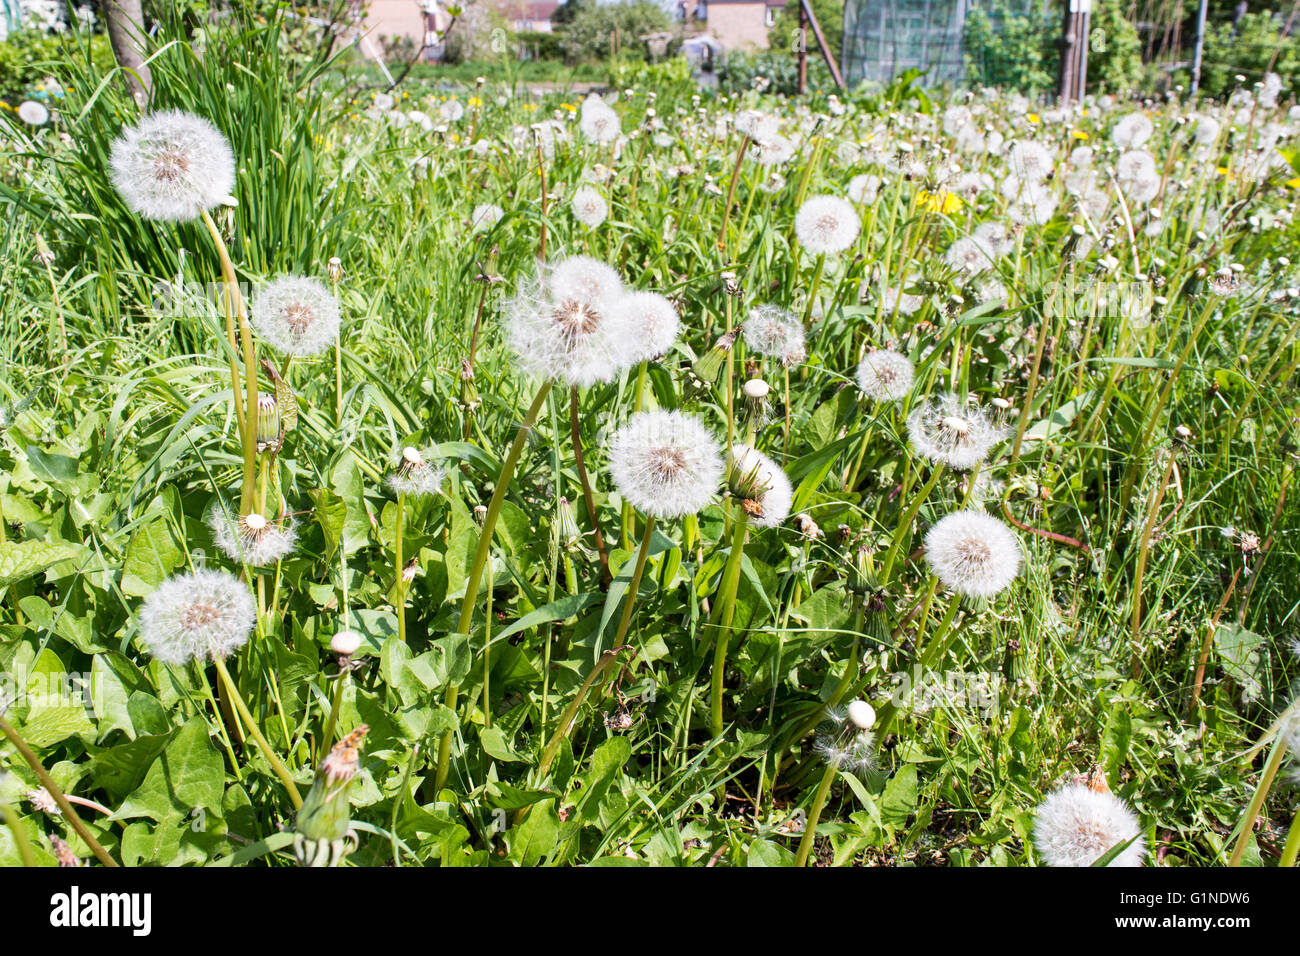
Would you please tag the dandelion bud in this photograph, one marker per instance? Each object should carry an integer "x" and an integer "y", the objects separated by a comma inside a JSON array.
[
  {"x": 757, "y": 406},
  {"x": 469, "y": 398},
  {"x": 567, "y": 533},
  {"x": 480, "y": 514},
  {"x": 43, "y": 253},
  {"x": 322, "y": 825},
  {"x": 268, "y": 422},
  {"x": 708, "y": 366},
  {"x": 335, "y": 269},
  {"x": 731, "y": 283}
]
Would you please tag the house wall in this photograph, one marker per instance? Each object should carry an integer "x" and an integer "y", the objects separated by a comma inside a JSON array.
[{"x": 738, "y": 25}]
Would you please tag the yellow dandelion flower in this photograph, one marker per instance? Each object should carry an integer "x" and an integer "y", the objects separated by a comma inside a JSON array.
[
  {"x": 1078, "y": 134},
  {"x": 1033, "y": 118},
  {"x": 940, "y": 200}
]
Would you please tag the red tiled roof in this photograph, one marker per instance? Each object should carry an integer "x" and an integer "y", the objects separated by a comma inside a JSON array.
[{"x": 534, "y": 10}]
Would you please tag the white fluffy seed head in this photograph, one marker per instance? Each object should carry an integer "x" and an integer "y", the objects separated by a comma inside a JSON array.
[
  {"x": 296, "y": 315},
  {"x": 861, "y": 714},
  {"x": 863, "y": 189},
  {"x": 968, "y": 255},
  {"x": 414, "y": 474},
  {"x": 776, "y": 332},
  {"x": 1076, "y": 825},
  {"x": 844, "y": 744},
  {"x": 33, "y": 113},
  {"x": 589, "y": 207},
  {"x": 172, "y": 166},
  {"x": 485, "y": 216},
  {"x": 197, "y": 616},
  {"x": 650, "y": 322},
  {"x": 776, "y": 150},
  {"x": 252, "y": 539},
  {"x": 757, "y": 125},
  {"x": 973, "y": 553},
  {"x": 599, "y": 122},
  {"x": 885, "y": 375},
  {"x": 1029, "y": 161},
  {"x": 1132, "y": 131},
  {"x": 666, "y": 464},
  {"x": 563, "y": 326},
  {"x": 761, "y": 485},
  {"x": 826, "y": 225},
  {"x": 951, "y": 433}
]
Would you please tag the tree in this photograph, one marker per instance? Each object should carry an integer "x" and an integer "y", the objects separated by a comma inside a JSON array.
[
  {"x": 126, "y": 33},
  {"x": 591, "y": 32}
]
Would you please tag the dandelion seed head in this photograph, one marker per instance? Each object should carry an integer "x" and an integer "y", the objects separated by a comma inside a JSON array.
[
  {"x": 201, "y": 615},
  {"x": 845, "y": 745},
  {"x": 973, "y": 553},
  {"x": 885, "y": 375},
  {"x": 776, "y": 332},
  {"x": 33, "y": 113},
  {"x": 589, "y": 207},
  {"x": 650, "y": 323},
  {"x": 666, "y": 464},
  {"x": 1029, "y": 160},
  {"x": 414, "y": 474},
  {"x": 252, "y": 539},
  {"x": 172, "y": 166},
  {"x": 485, "y": 216},
  {"x": 826, "y": 225},
  {"x": 1076, "y": 825},
  {"x": 864, "y": 189},
  {"x": 1132, "y": 131},
  {"x": 599, "y": 122},
  {"x": 296, "y": 315},
  {"x": 761, "y": 484},
  {"x": 948, "y": 432}
]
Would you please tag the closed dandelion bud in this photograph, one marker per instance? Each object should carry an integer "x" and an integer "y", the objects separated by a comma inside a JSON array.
[
  {"x": 708, "y": 366},
  {"x": 480, "y": 514},
  {"x": 469, "y": 399},
  {"x": 567, "y": 533},
  {"x": 731, "y": 283},
  {"x": 43, "y": 253},
  {"x": 1016, "y": 663},
  {"x": 335, "y": 269},
  {"x": 321, "y": 835},
  {"x": 862, "y": 580},
  {"x": 268, "y": 422}
]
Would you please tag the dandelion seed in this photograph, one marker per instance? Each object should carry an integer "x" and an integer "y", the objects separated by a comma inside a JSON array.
[
  {"x": 252, "y": 539},
  {"x": 843, "y": 743},
  {"x": 666, "y": 464},
  {"x": 826, "y": 224},
  {"x": 197, "y": 616},
  {"x": 885, "y": 375},
  {"x": 589, "y": 207},
  {"x": 973, "y": 553},
  {"x": 413, "y": 473},
  {"x": 761, "y": 485},
  {"x": 1079, "y": 823},
  {"x": 296, "y": 315},
  {"x": 948, "y": 432},
  {"x": 776, "y": 332},
  {"x": 172, "y": 166}
]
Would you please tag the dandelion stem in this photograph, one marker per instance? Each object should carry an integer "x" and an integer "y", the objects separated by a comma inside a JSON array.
[
  {"x": 905, "y": 523},
  {"x": 277, "y": 765},
  {"x": 724, "y": 610},
  {"x": 481, "y": 555},
  {"x": 234, "y": 305},
  {"x": 635, "y": 585},
  {"x": 54, "y": 791},
  {"x": 1257, "y": 801},
  {"x": 814, "y": 814},
  {"x": 1292, "y": 842},
  {"x": 575, "y": 429}
]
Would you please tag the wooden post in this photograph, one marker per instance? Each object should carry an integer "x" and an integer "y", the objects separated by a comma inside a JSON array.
[
  {"x": 1199, "y": 52},
  {"x": 803, "y": 47},
  {"x": 807, "y": 18},
  {"x": 1074, "y": 51}
]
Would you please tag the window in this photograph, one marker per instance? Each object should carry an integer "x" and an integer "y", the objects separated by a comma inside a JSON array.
[{"x": 770, "y": 18}]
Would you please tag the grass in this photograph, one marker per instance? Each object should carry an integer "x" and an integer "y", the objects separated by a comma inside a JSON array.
[{"x": 1147, "y": 469}]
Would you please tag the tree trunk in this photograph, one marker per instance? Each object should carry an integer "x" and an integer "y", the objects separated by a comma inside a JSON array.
[{"x": 125, "y": 21}]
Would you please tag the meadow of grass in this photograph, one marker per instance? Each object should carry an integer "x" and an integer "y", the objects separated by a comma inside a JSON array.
[{"x": 546, "y": 676}]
